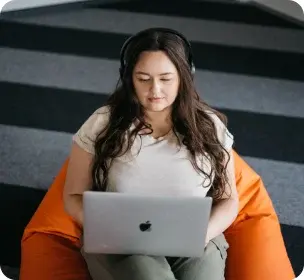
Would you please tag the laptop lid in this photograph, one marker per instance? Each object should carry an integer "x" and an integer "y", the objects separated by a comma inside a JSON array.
[{"x": 122, "y": 223}]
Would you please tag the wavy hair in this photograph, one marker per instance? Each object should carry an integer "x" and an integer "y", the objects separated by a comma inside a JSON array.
[{"x": 190, "y": 117}]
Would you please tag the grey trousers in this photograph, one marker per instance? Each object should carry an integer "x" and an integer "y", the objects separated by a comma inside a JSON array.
[{"x": 138, "y": 267}]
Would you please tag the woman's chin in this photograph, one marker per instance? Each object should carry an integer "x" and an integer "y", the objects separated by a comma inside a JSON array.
[{"x": 156, "y": 107}]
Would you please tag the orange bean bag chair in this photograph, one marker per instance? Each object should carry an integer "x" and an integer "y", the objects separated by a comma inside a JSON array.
[{"x": 50, "y": 243}]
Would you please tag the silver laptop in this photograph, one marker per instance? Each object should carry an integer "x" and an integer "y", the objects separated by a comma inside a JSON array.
[{"x": 121, "y": 223}]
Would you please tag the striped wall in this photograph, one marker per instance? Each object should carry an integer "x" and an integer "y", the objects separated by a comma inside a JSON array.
[{"x": 56, "y": 68}]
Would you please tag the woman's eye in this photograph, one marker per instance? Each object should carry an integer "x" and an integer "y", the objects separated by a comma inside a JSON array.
[
  {"x": 166, "y": 80},
  {"x": 143, "y": 80}
]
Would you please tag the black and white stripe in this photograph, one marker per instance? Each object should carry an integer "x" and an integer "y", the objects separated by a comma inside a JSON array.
[{"x": 56, "y": 68}]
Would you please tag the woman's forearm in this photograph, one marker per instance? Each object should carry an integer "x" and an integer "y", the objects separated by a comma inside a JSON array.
[
  {"x": 226, "y": 210},
  {"x": 74, "y": 208},
  {"x": 222, "y": 216}
]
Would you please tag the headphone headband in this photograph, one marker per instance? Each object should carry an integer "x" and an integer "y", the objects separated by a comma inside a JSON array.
[{"x": 159, "y": 29}]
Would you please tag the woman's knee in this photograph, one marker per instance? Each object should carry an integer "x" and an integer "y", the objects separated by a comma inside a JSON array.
[{"x": 211, "y": 266}]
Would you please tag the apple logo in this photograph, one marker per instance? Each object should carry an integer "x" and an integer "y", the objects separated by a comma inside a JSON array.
[{"x": 145, "y": 226}]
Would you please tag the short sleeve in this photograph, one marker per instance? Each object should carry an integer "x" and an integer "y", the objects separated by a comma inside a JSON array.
[
  {"x": 223, "y": 134},
  {"x": 86, "y": 136}
]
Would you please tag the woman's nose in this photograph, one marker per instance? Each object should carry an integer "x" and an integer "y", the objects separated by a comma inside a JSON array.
[{"x": 155, "y": 87}]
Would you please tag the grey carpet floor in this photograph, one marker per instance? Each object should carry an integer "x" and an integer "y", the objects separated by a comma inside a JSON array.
[{"x": 56, "y": 68}]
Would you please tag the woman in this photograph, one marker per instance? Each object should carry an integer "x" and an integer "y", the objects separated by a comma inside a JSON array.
[{"x": 155, "y": 135}]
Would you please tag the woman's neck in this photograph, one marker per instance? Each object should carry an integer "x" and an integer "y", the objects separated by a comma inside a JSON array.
[
  {"x": 157, "y": 117},
  {"x": 161, "y": 122}
]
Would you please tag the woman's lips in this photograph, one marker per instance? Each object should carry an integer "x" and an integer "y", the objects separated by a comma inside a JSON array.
[{"x": 155, "y": 99}]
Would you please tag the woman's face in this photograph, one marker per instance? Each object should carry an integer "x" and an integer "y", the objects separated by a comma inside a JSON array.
[{"x": 156, "y": 81}]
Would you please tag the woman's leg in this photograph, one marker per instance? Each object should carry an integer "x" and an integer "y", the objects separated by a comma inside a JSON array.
[
  {"x": 122, "y": 267},
  {"x": 138, "y": 267},
  {"x": 210, "y": 267}
]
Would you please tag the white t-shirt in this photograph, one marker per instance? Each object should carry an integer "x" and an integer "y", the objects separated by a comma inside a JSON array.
[{"x": 152, "y": 166}]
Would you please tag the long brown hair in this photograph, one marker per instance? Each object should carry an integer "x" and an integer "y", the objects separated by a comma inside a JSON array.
[{"x": 190, "y": 116}]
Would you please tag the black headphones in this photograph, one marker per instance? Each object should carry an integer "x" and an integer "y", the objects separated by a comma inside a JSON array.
[{"x": 126, "y": 44}]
